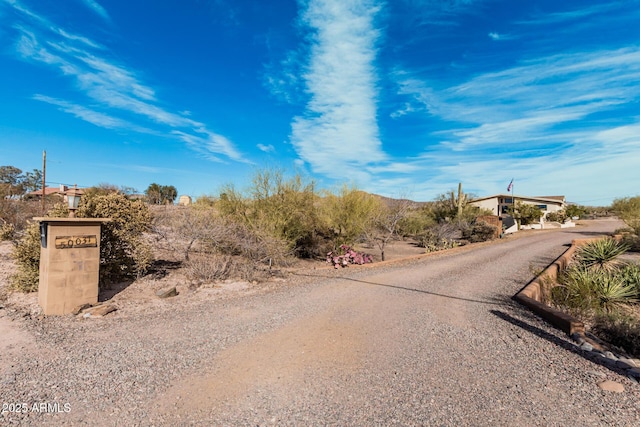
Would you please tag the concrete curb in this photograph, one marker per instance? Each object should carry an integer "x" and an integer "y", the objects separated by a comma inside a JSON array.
[{"x": 533, "y": 295}]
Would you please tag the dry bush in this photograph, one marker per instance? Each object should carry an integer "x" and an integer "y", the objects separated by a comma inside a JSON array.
[
  {"x": 16, "y": 214},
  {"x": 479, "y": 232},
  {"x": 621, "y": 330},
  {"x": 189, "y": 231},
  {"x": 208, "y": 268}
]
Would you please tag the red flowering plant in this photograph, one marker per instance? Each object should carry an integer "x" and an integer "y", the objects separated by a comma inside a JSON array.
[{"x": 345, "y": 255}]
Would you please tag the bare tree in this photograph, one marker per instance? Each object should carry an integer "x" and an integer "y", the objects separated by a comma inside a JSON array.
[{"x": 384, "y": 225}]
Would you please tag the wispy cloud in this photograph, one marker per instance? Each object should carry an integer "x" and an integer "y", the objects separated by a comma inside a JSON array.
[
  {"x": 547, "y": 117},
  {"x": 495, "y": 36},
  {"x": 266, "y": 148},
  {"x": 339, "y": 130},
  {"x": 91, "y": 116},
  {"x": 112, "y": 87},
  {"x": 95, "y": 6}
]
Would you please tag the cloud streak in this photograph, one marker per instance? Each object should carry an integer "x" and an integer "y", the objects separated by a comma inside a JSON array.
[
  {"x": 113, "y": 88},
  {"x": 338, "y": 130},
  {"x": 542, "y": 120},
  {"x": 95, "y": 6}
]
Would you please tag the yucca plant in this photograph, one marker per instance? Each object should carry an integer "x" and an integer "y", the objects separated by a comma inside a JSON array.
[
  {"x": 601, "y": 254},
  {"x": 588, "y": 290}
]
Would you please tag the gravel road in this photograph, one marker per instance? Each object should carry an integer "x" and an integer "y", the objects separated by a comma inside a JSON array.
[{"x": 431, "y": 341}]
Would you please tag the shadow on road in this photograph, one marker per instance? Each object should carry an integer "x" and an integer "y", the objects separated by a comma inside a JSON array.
[
  {"x": 555, "y": 340},
  {"x": 403, "y": 288}
]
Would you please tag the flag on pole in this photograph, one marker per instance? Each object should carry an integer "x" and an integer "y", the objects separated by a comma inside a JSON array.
[{"x": 510, "y": 185}]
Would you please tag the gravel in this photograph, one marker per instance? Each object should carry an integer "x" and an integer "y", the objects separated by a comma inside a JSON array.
[{"x": 431, "y": 341}]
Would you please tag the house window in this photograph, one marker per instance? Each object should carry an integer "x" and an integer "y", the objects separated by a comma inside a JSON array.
[
  {"x": 543, "y": 207},
  {"x": 507, "y": 200}
]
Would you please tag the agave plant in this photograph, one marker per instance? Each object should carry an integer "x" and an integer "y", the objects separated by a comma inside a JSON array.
[{"x": 601, "y": 254}]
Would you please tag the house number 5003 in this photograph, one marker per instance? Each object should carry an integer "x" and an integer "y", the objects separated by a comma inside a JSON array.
[{"x": 68, "y": 242}]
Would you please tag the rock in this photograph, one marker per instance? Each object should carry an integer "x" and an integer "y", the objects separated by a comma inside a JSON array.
[
  {"x": 586, "y": 346},
  {"x": 168, "y": 292},
  {"x": 99, "y": 311},
  {"x": 577, "y": 338},
  {"x": 612, "y": 386},
  {"x": 80, "y": 308},
  {"x": 610, "y": 355}
]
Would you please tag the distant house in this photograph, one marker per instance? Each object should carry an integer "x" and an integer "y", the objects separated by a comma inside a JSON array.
[
  {"x": 500, "y": 203},
  {"x": 50, "y": 192},
  {"x": 184, "y": 200}
]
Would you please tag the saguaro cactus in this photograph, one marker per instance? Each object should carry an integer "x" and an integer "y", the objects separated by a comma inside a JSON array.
[{"x": 461, "y": 201}]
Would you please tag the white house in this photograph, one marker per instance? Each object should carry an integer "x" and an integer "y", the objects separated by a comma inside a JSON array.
[{"x": 499, "y": 203}]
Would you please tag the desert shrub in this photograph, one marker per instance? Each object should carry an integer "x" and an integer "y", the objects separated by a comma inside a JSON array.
[
  {"x": 432, "y": 243},
  {"x": 349, "y": 213},
  {"x": 208, "y": 267},
  {"x": 600, "y": 254},
  {"x": 273, "y": 208},
  {"x": 124, "y": 253},
  {"x": 572, "y": 211},
  {"x": 7, "y": 231},
  {"x": 628, "y": 209},
  {"x": 15, "y": 215},
  {"x": 479, "y": 232},
  {"x": 416, "y": 221},
  {"x": 525, "y": 213},
  {"x": 345, "y": 255},
  {"x": 559, "y": 216},
  {"x": 586, "y": 291},
  {"x": 632, "y": 241},
  {"x": 185, "y": 228},
  {"x": 620, "y": 330},
  {"x": 630, "y": 275},
  {"x": 27, "y": 255},
  {"x": 443, "y": 235}
]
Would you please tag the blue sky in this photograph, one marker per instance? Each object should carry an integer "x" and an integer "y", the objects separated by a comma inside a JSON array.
[{"x": 402, "y": 97}]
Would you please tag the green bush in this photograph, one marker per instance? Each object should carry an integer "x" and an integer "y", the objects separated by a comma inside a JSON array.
[
  {"x": 273, "y": 208},
  {"x": 349, "y": 214},
  {"x": 628, "y": 209},
  {"x": 525, "y": 213},
  {"x": 559, "y": 216}
]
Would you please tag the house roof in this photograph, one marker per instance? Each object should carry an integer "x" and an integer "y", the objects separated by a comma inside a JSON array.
[
  {"x": 547, "y": 199},
  {"x": 47, "y": 192}
]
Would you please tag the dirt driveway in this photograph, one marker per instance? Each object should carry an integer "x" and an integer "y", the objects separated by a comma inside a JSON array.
[{"x": 433, "y": 341}]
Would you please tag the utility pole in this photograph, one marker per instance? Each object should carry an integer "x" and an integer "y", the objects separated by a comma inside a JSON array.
[{"x": 44, "y": 173}]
